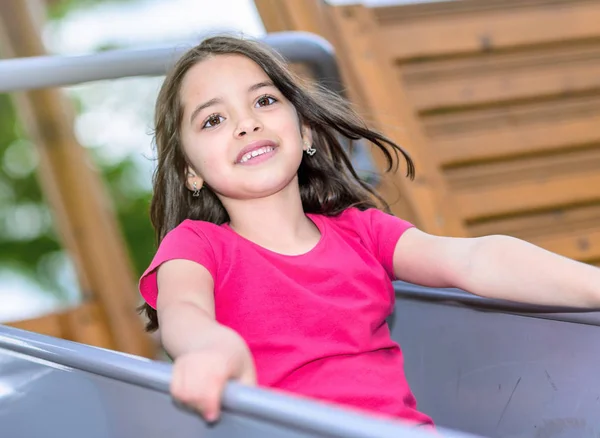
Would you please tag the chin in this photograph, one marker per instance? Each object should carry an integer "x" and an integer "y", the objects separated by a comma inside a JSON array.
[
  {"x": 259, "y": 185},
  {"x": 264, "y": 187}
]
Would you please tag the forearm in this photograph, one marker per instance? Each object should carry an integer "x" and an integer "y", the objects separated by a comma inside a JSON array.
[
  {"x": 507, "y": 268},
  {"x": 187, "y": 328}
]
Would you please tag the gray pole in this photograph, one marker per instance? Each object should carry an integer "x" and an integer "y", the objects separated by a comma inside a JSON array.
[{"x": 54, "y": 71}]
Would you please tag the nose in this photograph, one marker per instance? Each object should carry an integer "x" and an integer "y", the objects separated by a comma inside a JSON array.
[{"x": 247, "y": 126}]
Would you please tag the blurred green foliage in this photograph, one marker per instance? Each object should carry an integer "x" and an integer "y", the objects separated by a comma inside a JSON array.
[
  {"x": 60, "y": 8},
  {"x": 29, "y": 244}
]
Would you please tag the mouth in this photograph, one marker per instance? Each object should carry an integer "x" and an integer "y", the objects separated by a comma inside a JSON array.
[{"x": 256, "y": 152}]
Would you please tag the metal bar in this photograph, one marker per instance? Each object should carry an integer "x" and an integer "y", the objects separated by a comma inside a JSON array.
[
  {"x": 54, "y": 71},
  {"x": 566, "y": 314},
  {"x": 315, "y": 418}
]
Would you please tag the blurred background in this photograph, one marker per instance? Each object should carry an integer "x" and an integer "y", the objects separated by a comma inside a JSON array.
[
  {"x": 113, "y": 121},
  {"x": 498, "y": 101}
]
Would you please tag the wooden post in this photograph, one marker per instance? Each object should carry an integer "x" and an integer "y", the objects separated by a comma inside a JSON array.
[
  {"x": 372, "y": 85},
  {"x": 81, "y": 208}
]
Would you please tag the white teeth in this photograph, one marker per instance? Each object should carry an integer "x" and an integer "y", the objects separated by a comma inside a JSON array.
[{"x": 255, "y": 153}]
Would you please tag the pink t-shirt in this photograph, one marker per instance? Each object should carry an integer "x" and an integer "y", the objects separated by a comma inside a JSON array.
[{"x": 315, "y": 323}]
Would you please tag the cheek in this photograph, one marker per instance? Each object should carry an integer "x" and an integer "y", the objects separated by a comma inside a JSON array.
[
  {"x": 290, "y": 127},
  {"x": 205, "y": 155}
]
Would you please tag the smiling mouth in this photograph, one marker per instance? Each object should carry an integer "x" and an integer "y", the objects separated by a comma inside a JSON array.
[{"x": 256, "y": 153}]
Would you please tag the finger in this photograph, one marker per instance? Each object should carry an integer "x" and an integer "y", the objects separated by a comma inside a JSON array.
[
  {"x": 183, "y": 389},
  {"x": 215, "y": 398}
]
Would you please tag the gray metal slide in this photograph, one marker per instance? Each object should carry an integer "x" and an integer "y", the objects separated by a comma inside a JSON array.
[
  {"x": 500, "y": 369},
  {"x": 487, "y": 368},
  {"x": 55, "y": 388}
]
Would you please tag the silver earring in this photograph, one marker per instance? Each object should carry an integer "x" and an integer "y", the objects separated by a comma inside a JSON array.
[
  {"x": 310, "y": 150},
  {"x": 196, "y": 192}
]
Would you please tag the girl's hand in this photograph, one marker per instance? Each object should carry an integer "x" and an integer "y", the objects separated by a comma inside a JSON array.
[{"x": 199, "y": 377}]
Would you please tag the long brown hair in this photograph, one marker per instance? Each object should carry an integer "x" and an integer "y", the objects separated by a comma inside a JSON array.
[{"x": 328, "y": 182}]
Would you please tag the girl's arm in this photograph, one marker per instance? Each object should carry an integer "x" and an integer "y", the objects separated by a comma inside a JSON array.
[
  {"x": 185, "y": 305},
  {"x": 500, "y": 267},
  {"x": 207, "y": 354}
]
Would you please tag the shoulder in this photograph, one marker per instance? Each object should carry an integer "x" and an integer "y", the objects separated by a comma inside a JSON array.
[
  {"x": 377, "y": 231},
  {"x": 351, "y": 216},
  {"x": 197, "y": 241},
  {"x": 369, "y": 220},
  {"x": 191, "y": 226},
  {"x": 193, "y": 237},
  {"x": 196, "y": 230},
  {"x": 374, "y": 227}
]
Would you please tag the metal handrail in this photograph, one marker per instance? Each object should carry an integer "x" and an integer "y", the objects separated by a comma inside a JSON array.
[
  {"x": 458, "y": 296},
  {"x": 315, "y": 418},
  {"x": 20, "y": 74}
]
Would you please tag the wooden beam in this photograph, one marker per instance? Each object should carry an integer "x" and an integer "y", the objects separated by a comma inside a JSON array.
[
  {"x": 467, "y": 27},
  {"x": 80, "y": 324},
  {"x": 497, "y": 133},
  {"x": 582, "y": 245},
  {"x": 539, "y": 73},
  {"x": 286, "y": 15},
  {"x": 82, "y": 211},
  {"x": 49, "y": 325},
  {"x": 480, "y": 203},
  {"x": 525, "y": 170},
  {"x": 540, "y": 224}
]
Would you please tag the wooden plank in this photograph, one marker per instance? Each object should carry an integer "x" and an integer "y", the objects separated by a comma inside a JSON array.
[
  {"x": 411, "y": 11},
  {"x": 524, "y": 170},
  {"x": 514, "y": 131},
  {"x": 502, "y": 78},
  {"x": 85, "y": 324},
  {"x": 485, "y": 30},
  {"x": 539, "y": 224},
  {"x": 510, "y": 198},
  {"x": 49, "y": 325},
  {"x": 274, "y": 17},
  {"x": 284, "y": 15},
  {"x": 582, "y": 245}
]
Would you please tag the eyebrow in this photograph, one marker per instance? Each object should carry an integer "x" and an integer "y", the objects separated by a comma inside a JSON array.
[{"x": 217, "y": 100}]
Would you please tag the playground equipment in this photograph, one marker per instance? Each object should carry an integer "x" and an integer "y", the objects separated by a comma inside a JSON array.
[
  {"x": 495, "y": 369},
  {"x": 485, "y": 367}
]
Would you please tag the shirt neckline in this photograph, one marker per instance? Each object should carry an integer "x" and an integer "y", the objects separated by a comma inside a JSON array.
[{"x": 316, "y": 220}]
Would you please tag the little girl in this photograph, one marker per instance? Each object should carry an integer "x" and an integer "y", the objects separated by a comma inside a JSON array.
[{"x": 275, "y": 261}]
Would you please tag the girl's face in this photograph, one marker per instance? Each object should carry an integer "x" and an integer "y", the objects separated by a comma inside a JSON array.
[{"x": 240, "y": 135}]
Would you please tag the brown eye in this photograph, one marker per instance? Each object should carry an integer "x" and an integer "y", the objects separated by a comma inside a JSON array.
[
  {"x": 213, "y": 120},
  {"x": 265, "y": 101}
]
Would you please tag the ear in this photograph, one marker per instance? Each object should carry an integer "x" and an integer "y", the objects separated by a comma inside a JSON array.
[
  {"x": 307, "y": 137},
  {"x": 191, "y": 178}
]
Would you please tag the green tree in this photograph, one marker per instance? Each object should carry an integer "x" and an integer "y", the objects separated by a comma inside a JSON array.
[{"x": 29, "y": 244}]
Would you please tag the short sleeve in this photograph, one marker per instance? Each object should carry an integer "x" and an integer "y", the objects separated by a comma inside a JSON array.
[
  {"x": 183, "y": 242},
  {"x": 384, "y": 231}
]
